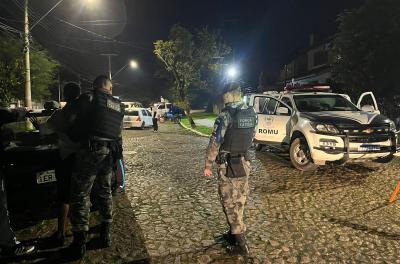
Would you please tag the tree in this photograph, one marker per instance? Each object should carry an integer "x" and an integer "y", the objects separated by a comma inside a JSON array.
[
  {"x": 43, "y": 69},
  {"x": 211, "y": 49},
  {"x": 367, "y": 49},
  {"x": 189, "y": 60}
]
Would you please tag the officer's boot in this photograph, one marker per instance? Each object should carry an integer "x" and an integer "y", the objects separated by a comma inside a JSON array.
[
  {"x": 77, "y": 249},
  {"x": 105, "y": 234},
  {"x": 242, "y": 246},
  {"x": 228, "y": 237}
]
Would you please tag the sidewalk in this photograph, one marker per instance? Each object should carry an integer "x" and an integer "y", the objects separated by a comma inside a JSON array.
[{"x": 205, "y": 122}]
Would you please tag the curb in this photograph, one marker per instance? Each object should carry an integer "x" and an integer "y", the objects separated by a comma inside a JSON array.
[{"x": 194, "y": 131}]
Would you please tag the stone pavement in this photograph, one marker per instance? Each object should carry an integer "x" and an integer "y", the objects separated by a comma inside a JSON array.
[
  {"x": 171, "y": 213},
  {"x": 333, "y": 215}
]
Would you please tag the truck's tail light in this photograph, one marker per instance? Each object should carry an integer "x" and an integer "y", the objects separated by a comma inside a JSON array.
[{"x": 138, "y": 119}]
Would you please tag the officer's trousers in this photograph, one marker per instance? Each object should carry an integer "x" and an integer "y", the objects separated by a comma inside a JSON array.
[
  {"x": 233, "y": 194},
  {"x": 92, "y": 169},
  {"x": 7, "y": 236}
]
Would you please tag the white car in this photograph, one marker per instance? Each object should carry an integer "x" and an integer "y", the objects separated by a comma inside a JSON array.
[
  {"x": 137, "y": 118},
  {"x": 316, "y": 126}
]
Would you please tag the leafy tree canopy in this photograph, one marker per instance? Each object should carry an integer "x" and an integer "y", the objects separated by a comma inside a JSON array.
[
  {"x": 191, "y": 61},
  {"x": 367, "y": 48},
  {"x": 43, "y": 69}
]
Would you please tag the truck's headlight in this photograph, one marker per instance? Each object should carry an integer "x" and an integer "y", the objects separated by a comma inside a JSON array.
[{"x": 325, "y": 128}]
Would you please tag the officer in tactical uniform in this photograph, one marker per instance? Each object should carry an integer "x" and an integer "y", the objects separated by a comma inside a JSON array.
[
  {"x": 98, "y": 129},
  {"x": 229, "y": 144}
]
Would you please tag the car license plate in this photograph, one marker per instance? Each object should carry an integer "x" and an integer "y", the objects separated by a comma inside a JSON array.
[
  {"x": 46, "y": 176},
  {"x": 367, "y": 148}
]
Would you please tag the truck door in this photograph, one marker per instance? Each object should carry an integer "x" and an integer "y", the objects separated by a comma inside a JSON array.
[
  {"x": 367, "y": 102},
  {"x": 273, "y": 121}
]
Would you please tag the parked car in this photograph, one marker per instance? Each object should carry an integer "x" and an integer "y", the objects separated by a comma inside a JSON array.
[
  {"x": 316, "y": 126},
  {"x": 28, "y": 162},
  {"x": 137, "y": 118},
  {"x": 175, "y": 114}
]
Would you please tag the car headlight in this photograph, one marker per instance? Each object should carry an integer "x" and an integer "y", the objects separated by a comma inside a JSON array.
[{"x": 325, "y": 128}]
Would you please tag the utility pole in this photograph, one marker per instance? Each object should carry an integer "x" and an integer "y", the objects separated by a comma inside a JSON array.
[
  {"x": 59, "y": 87},
  {"x": 79, "y": 80},
  {"x": 109, "y": 64},
  {"x": 28, "y": 93}
]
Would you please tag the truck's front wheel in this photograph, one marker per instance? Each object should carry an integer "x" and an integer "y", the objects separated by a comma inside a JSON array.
[{"x": 300, "y": 155}]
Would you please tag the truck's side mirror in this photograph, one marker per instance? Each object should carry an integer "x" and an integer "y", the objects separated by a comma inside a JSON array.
[
  {"x": 282, "y": 111},
  {"x": 368, "y": 108}
]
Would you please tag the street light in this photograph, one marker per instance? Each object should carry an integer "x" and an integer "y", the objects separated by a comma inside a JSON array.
[
  {"x": 132, "y": 64},
  {"x": 232, "y": 72}
]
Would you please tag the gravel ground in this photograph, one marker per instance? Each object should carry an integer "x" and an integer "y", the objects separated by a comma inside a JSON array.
[{"x": 171, "y": 213}]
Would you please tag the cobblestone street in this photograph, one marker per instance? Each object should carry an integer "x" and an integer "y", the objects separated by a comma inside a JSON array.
[
  {"x": 333, "y": 215},
  {"x": 171, "y": 213}
]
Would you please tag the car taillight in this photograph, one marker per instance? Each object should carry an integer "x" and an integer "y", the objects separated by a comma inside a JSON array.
[{"x": 138, "y": 119}]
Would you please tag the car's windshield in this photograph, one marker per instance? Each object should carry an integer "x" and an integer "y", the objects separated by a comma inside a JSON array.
[{"x": 323, "y": 102}]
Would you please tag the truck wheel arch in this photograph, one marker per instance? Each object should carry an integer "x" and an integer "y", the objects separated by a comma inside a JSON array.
[{"x": 298, "y": 134}]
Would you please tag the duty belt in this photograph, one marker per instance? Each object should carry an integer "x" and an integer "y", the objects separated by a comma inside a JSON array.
[{"x": 223, "y": 157}]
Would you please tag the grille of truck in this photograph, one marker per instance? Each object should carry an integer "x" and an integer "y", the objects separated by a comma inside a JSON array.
[{"x": 366, "y": 133}]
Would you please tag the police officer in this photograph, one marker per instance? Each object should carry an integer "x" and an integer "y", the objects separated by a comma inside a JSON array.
[
  {"x": 229, "y": 144},
  {"x": 98, "y": 129}
]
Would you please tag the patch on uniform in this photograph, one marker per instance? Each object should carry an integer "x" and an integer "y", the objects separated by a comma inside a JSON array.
[
  {"x": 116, "y": 106},
  {"x": 246, "y": 122}
]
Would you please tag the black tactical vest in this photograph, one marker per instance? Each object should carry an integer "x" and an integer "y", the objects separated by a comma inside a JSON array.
[
  {"x": 239, "y": 135},
  {"x": 107, "y": 113}
]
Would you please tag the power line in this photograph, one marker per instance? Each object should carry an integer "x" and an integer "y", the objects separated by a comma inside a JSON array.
[
  {"x": 9, "y": 28},
  {"x": 99, "y": 35}
]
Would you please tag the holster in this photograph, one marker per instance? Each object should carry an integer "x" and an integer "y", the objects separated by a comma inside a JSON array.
[{"x": 235, "y": 167}]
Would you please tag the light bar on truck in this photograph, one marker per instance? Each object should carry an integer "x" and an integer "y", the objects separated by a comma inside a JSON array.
[{"x": 307, "y": 88}]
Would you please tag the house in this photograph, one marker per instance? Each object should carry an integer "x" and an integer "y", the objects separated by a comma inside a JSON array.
[{"x": 312, "y": 65}]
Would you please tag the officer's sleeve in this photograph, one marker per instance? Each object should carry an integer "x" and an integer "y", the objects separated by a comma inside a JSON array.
[{"x": 217, "y": 138}]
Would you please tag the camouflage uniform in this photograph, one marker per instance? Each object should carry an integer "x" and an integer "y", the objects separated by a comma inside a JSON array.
[
  {"x": 233, "y": 192},
  {"x": 92, "y": 168}
]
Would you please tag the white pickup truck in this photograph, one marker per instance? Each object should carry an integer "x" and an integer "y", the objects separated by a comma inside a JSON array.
[{"x": 316, "y": 126}]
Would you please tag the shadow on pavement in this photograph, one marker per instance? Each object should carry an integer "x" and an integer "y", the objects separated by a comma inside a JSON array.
[
  {"x": 127, "y": 240},
  {"x": 364, "y": 228}
]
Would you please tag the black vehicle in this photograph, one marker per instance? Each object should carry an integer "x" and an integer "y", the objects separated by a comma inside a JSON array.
[{"x": 28, "y": 162}]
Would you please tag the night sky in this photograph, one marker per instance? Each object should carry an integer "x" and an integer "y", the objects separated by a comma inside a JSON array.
[{"x": 264, "y": 34}]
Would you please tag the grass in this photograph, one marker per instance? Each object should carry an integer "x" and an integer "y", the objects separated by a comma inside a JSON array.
[
  {"x": 204, "y": 115},
  {"x": 201, "y": 129}
]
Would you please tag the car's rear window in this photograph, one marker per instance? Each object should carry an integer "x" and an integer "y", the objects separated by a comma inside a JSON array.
[{"x": 132, "y": 113}]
